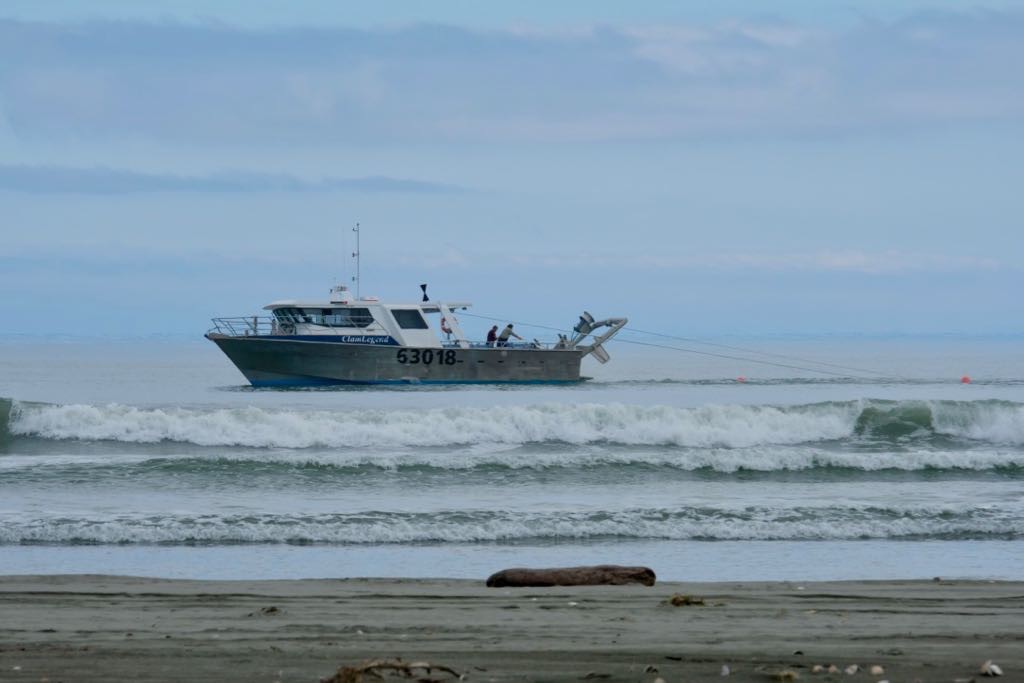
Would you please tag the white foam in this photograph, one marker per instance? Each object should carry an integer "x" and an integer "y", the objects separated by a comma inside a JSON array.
[
  {"x": 708, "y": 426},
  {"x": 996, "y": 422},
  {"x": 491, "y": 429},
  {"x": 757, "y": 458},
  {"x": 487, "y": 526}
]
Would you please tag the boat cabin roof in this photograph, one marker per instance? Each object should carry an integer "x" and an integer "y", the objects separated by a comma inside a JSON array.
[{"x": 425, "y": 306}]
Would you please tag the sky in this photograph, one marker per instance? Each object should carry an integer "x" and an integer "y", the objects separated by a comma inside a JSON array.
[{"x": 737, "y": 167}]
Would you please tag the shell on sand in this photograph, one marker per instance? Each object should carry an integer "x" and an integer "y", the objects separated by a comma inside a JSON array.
[{"x": 990, "y": 668}]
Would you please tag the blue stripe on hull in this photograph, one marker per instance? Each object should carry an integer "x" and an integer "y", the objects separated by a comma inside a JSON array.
[
  {"x": 368, "y": 340},
  {"x": 325, "y": 382}
]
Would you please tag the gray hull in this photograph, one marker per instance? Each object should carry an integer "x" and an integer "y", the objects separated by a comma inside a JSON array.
[{"x": 291, "y": 363}]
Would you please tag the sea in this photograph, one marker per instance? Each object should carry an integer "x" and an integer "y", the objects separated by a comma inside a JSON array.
[{"x": 735, "y": 459}]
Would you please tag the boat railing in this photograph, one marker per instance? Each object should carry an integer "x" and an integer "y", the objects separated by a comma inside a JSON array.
[
  {"x": 516, "y": 346},
  {"x": 261, "y": 326},
  {"x": 246, "y": 326}
]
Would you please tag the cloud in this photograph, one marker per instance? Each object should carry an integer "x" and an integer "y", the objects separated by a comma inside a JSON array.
[
  {"x": 216, "y": 84},
  {"x": 858, "y": 261},
  {"x": 448, "y": 257},
  {"x": 837, "y": 261},
  {"x": 60, "y": 179}
]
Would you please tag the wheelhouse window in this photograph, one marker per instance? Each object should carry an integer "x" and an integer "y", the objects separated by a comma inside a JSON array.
[
  {"x": 409, "y": 319},
  {"x": 289, "y": 315},
  {"x": 345, "y": 317},
  {"x": 329, "y": 317}
]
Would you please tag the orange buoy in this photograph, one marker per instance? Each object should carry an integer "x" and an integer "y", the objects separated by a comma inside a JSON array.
[{"x": 965, "y": 380}]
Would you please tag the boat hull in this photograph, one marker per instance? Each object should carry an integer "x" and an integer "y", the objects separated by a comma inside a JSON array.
[{"x": 277, "y": 362}]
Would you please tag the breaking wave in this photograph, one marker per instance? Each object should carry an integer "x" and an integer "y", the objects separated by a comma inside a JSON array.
[
  {"x": 475, "y": 526},
  {"x": 711, "y": 426},
  {"x": 339, "y": 466}
]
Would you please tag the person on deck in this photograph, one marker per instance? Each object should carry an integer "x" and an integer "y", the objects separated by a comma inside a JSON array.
[
  {"x": 492, "y": 335},
  {"x": 505, "y": 334}
]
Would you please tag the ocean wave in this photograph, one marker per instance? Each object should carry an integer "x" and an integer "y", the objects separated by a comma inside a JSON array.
[
  {"x": 804, "y": 381},
  {"x": 710, "y": 426},
  {"x": 764, "y": 459},
  {"x": 475, "y": 526}
]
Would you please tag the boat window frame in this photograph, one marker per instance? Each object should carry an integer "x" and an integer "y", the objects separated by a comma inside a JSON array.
[
  {"x": 353, "y": 317},
  {"x": 422, "y": 323},
  {"x": 288, "y": 315}
]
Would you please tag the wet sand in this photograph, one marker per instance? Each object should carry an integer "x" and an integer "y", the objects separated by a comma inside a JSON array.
[{"x": 91, "y": 628}]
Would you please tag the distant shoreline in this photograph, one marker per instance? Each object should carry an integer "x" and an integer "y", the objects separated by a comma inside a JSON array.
[{"x": 88, "y": 627}]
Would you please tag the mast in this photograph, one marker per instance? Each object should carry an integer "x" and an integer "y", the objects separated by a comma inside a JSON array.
[
  {"x": 355, "y": 255},
  {"x": 342, "y": 265}
]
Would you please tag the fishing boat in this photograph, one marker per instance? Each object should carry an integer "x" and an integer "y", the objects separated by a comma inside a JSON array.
[{"x": 349, "y": 339}]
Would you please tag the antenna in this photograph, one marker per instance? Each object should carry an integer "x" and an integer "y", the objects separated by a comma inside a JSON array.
[
  {"x": 355, "y": 255},
  {"x": 344, "y": 249}
]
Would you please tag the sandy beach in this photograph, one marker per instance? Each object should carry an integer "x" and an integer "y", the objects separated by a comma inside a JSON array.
[{"x": 85, "y": 628}]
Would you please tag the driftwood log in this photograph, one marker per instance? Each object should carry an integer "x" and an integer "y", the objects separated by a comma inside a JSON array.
[
  {"x": 596, "y": 575},
  {"x": 374, "y": 669}
]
